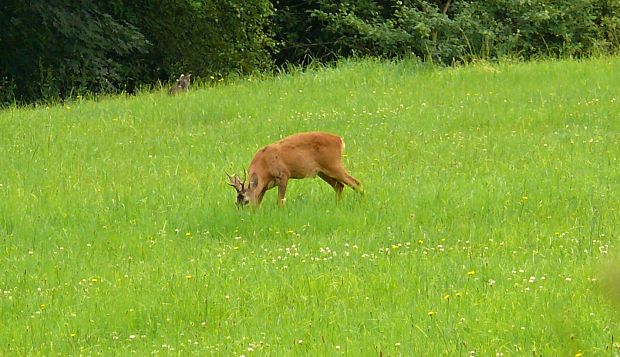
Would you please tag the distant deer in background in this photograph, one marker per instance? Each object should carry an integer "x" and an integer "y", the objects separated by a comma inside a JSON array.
[
  {"x": 181, "y": 85},
  {"x": 295, "y": 157}
]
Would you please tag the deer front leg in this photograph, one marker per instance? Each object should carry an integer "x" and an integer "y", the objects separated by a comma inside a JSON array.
[
  {"x": 260, "y": 197},
  {"x": 257, "y": 195},
  {"x": 282, "y": 182}
]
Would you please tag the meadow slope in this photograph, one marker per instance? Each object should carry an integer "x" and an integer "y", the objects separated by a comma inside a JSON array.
[{"x": 491, "y": 210}]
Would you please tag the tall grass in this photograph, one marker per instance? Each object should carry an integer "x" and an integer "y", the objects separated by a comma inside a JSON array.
[{"x": 491, "y": 205}]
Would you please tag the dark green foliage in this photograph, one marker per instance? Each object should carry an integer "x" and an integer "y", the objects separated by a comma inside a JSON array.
[
  {"x": 60, "y": 48},
  {"x": 55, "y": 49},
  {"x": 534, "y": 28},
  {"x": 202, "y": 37},
  {"x": 446, "y": 31},
  {"x": 52, "y": 49}
]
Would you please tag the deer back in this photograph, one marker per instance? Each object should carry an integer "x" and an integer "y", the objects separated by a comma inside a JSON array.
[{"x": 298, "y": 156}]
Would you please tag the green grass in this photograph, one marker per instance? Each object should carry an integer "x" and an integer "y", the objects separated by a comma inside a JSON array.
[{"x": 491, "y": 205}]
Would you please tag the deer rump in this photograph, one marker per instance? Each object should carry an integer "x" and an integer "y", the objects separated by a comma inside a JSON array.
[{"x": 295, "y": 157}]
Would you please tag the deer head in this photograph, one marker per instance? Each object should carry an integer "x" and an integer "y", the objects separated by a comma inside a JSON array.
[
  {"x": 181, "y": 85},
  {"x": 184, "y": 81},
  {"x": 243, "y": 194}
]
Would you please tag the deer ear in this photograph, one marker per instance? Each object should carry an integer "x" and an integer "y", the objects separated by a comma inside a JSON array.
[{"x": 253, "y": 182}]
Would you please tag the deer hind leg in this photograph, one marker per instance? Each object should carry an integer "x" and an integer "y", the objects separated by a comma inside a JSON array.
[
  {"x": 337, "y": 185},
  {"x": 344, "y": 178},
  {"x": 354, "y": 183}
]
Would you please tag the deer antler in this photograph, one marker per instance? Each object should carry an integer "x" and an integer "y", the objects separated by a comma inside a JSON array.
[{"x": 234, "y": 181}]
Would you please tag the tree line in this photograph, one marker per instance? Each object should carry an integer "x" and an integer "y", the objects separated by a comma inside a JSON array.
[{"x": 54, "y": 49}]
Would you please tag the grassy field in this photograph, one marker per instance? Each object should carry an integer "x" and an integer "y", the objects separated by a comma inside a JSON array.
[{"x": 491, "y": 211}]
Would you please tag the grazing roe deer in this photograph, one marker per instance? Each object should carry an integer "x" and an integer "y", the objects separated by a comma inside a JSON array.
[
  {"x": 181, "y": 85},
  {"x": 295, "y": 157}
]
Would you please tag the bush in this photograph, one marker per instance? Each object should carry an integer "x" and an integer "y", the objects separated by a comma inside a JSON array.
[
  {"x": 60, "y": 48},
  {"x": 447, "y": 31},
  {"x": 202, "y": 37},
  {"x": 57, "y": 49},
  {"x": 52, "y": 49}
]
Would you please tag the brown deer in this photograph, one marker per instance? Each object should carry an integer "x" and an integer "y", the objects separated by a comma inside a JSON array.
[
  {"x": 181, "y": 85},
  {"x": 295, "y": 157}
]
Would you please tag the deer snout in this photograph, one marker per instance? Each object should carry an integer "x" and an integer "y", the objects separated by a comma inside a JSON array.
[{"x": 242, "y": 199}]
